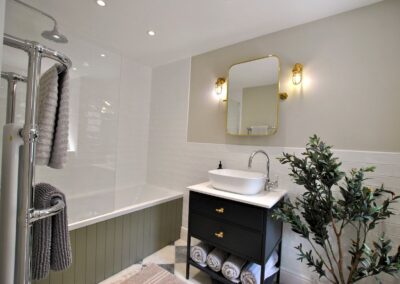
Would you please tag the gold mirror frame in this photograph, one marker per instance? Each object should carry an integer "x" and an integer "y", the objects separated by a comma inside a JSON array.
[{"x": 280, "y": 96}]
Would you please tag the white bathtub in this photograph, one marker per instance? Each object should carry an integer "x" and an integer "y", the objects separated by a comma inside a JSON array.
[{"x": 88, "y": 210}]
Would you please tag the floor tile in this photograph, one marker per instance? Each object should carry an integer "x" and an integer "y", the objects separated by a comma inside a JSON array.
[
  {"x": 180, "y": 254},
  {"x": 169, "y": 267},
  {"x": 173, "y": 259},
  {"x": 196, "y": 276},
  {"x": 164, "y": 256}
]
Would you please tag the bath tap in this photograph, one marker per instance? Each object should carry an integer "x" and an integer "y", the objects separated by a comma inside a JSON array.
[{"x": 268, "y": 184}]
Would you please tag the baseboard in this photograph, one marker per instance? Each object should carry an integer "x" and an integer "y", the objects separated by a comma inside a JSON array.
[
  {"x": 184, "y": 232},
  {"x": 287, "y": 276}
]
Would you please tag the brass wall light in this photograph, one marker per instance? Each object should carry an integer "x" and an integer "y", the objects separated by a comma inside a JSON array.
[
  {"x": 297, "y": 74},
  {"x": 220, "y": 88}
]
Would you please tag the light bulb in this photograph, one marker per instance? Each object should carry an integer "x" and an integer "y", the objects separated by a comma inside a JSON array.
[
  {"x": 297, "y": 78},
  {"x": 101, "y": 3},
  {"x": 297, "y": 74}
]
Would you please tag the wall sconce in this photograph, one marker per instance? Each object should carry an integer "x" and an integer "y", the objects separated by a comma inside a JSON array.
[
  {"x": 297, "y": 74},
  {"x": 220, "y": 88}
]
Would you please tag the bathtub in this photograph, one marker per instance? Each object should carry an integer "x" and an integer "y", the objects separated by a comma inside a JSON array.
[
  {"x": 90, "y": 209},
  {"x": 111, "y": 231}
]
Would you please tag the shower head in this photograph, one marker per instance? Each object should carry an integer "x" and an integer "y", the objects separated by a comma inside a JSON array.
[{"x": 55, "y": 35}]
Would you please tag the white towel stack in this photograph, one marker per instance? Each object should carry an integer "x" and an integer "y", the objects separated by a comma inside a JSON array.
[
  {"x": 199, "y": 253},
  {"x": 232, "y": 267},
  {"x": 216, "y": 259},
  {"x": 251, "y": 273}
]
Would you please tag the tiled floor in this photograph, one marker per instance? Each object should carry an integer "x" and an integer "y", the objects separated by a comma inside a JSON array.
[{"x": 173, "y": 259}]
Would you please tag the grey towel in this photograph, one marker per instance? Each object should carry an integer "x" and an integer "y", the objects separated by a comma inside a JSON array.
[
  {"x": 251, "y": 273},
  {"x": 51, "y": 248},
  {"x": 232, "y": 267},
  {"x": 216, "y": 258},
  {"x": 47, "y": 109},
  {"x": 53, "y": 117},
  {"x": 199, "y": 253}
]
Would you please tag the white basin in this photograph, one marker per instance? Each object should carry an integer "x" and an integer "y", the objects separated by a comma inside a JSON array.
[{"x": 241, "y": 182}]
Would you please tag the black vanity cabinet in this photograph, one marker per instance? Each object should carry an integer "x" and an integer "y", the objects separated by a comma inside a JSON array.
[{"x": 241, "y": 229}]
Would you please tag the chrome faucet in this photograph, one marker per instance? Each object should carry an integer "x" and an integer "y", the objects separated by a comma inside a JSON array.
[{"x": 268, "y": 184}]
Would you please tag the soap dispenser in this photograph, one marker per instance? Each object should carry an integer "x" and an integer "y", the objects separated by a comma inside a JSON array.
[{"x": 220, "y": 165}]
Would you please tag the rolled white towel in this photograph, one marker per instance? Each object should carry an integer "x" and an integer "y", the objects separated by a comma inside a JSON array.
[
  {"x": 252, "y": 272},
  {"x": 216, "y": 258},
  {"x": 232, "y": 267},
  {"x": 199, "y": 253}
]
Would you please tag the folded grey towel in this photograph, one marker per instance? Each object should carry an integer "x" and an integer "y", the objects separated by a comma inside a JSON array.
[
  {"x": 47, "y": 110},
  {"x": 232, "y": 267},
  {"x": 199, "y": 253},
  {"x": 51, "y": 248},
  {"x": 216, "y": 258},
  {"x": 59, "y": 150},
  {"x": 53, "y": 117}
]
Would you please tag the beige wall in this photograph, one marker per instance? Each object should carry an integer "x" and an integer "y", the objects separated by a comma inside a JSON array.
[
  {"x": 259, "y": 106},
  {"x": 351, "y": 93}
]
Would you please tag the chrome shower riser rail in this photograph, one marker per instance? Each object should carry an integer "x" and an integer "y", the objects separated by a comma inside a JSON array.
[{"x": 30, "y": 135}]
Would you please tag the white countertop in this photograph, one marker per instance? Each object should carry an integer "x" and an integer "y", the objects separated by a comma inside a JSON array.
[{"x": 265, "y": 199}]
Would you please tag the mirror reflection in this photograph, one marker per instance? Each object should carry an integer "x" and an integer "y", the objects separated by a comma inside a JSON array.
[{"x": 253, "y": 97}]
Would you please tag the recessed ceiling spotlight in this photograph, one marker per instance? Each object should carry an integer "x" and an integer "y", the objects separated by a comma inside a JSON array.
[
  {"x": 151, "y": 33},
  {"x": 102, "y": 55},
  {"x": 101, "y": 3},
  {"x": 74, "y": 68}
]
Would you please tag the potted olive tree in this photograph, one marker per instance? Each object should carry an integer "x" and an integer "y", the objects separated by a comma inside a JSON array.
[{"x": 335, "y": 203}]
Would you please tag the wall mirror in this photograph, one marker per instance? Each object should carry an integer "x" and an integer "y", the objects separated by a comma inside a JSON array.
[{"x": 253, "y": 97}]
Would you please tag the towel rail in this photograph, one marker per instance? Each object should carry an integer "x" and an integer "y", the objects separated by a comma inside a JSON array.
[
  {"x": 12, "y": 80},
  {"x": 27, "y": 45},
  {"x": 39, "y": 214},
  {"x": 25, "y": 210}
]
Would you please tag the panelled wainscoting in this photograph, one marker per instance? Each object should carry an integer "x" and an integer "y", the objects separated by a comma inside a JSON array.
[{"x": 105, "y": 248}]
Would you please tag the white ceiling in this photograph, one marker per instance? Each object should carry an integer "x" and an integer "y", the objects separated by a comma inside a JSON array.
[{"x": 184, "y": 27}]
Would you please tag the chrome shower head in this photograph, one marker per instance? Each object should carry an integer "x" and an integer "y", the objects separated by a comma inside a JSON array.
[{"x": 55, "y": 35}]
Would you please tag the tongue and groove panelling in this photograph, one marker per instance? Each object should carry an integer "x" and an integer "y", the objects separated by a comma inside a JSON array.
[{"x": 105, "y": 248}]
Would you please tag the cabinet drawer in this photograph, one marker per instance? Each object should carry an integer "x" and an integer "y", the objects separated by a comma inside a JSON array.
[
  {"x": 229, "y": 237},
  {"x": 235, "y": 212}
]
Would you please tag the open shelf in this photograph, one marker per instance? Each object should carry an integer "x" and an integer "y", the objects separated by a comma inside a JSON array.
[{"x": 219, "y": 278}]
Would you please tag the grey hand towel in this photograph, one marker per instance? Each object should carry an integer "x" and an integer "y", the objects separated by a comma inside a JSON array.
[
  {"x": 47, "y": 110},
  {"x": 216, "y": 258},
  {"x": 59, "y": 150},
  {"x": 51, "y": 248},
  {"x": 232, "y": 267},
  {"x": 53, "y": 117},
  {"x": 199, "y": 253}
]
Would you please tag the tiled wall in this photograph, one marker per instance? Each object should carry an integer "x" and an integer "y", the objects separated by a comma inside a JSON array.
[
  {"x": 109, "y": 116},
  {"x": 174, "y": 163}
]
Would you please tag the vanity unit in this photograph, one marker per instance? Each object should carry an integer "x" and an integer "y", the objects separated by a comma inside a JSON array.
[{"x": 238, "y": 224}]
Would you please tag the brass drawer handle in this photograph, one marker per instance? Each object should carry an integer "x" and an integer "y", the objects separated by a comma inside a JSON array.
[
  {"x": 220, "y": 210},
  {"x": 219, "y": 235}
]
